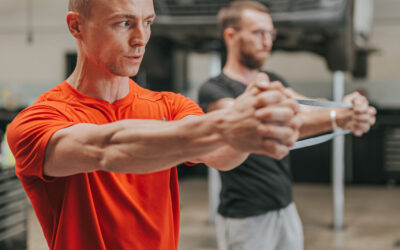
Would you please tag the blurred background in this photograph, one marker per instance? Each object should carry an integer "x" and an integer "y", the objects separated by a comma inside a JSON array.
[{"x": 315, "y": 39}]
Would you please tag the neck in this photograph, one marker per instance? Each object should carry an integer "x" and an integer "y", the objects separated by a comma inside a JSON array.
[
  {"x": 236, "y": 71},
  {"x": 100, "y": 84}
]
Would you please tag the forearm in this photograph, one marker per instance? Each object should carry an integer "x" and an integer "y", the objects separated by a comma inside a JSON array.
[
  {"x": 142, "y": 147},
  {"x": 131, "y": 146},
  {"x": 318, "y": 122}
]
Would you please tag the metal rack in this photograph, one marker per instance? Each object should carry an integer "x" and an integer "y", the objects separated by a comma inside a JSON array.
[
  {"x": 391, "y": 152},
  {"x": 13, "y": 215}
]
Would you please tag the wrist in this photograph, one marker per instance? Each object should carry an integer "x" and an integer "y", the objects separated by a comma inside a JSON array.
[
  {"x": 221, "y": 124},
  {"x": 217, "y": 125},
  {"x": 343, "y": 117},
  {"x": 199, "y": 135}
]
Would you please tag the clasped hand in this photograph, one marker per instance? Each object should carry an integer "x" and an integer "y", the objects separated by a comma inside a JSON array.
[
  {"x": 362, "y": 115},
  {"x": 262, "y": 120}
]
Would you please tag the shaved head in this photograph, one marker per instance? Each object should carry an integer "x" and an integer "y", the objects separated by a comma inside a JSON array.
[{"x": 81, "y": 6}]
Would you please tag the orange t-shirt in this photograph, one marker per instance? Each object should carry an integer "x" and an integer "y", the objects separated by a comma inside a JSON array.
[{"x": 98, "y": 210}]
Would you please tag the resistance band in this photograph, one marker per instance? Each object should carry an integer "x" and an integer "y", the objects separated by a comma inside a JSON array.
[{"x": 322, "y": 138}]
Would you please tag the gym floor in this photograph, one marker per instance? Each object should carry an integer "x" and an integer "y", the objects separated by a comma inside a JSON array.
[{"x": 372, "y": 218}]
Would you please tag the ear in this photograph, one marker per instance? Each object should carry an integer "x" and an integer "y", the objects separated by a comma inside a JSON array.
[
  {"x": 228, "y": 34},
  {"x": 74, "y": 24}
]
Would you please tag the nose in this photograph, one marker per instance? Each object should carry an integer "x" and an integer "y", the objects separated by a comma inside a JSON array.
[{"x": 138, "y": 36}]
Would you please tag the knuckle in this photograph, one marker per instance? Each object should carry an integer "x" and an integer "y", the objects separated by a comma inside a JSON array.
[
  {"x": 265, "y": 113},
  {"x": 289, "y": 132},
  {"x": 270, "y": 146},
  {"x": 264, "y": 130},
  {"x": 277, "y": 84}
]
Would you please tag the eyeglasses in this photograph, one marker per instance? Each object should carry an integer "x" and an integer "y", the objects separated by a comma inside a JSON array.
[
  {"x": 270, "y": 33},
  {"x": 262, "y": 33}
]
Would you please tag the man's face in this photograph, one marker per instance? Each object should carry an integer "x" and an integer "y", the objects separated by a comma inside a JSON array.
[
  {"x": 254, "y": 38},
  {"x": 115, "y": 34}
]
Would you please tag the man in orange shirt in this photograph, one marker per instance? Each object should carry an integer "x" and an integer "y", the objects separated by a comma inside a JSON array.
[{"x": 96, "y": 153}]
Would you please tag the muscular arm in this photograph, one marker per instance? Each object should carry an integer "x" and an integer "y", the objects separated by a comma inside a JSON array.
[
  {"x": 144, "y": 146},
  {"x": 135, "y": 146}
]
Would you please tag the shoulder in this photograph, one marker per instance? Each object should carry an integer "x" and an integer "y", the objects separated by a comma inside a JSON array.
[
  {"x": 52, "y": 101},
  {"x": 217, "y": 81},
  {"x": 49, "y": 107},
  {"x": 215, "y": 85},
  {"x": 36, "y": 117}
]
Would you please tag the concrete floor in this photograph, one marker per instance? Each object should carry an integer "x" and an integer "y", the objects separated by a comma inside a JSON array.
[{"x": 372, "y": 218}]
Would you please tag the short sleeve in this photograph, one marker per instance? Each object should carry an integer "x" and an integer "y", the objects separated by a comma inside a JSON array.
[
  {"x": 28, "y": 135},
  {"x": 184, "y": 106},
  {"x": 211, "y": 92}
]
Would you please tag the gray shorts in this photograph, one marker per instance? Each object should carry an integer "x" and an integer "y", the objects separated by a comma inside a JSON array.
[{"x": 275, "y": 230}]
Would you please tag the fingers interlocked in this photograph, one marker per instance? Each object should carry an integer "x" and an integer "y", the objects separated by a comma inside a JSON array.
[
  {"x": 279, "y": 123},
  {"x": 363, "y": 115}
]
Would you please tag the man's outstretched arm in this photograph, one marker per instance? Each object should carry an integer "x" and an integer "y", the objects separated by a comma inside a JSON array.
[
  {"x": 359, "y": 119},
  {"x": 317, "y": 120},
  {"x": 259, "y": 122}
]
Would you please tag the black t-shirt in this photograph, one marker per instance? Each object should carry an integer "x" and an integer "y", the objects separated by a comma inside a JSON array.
[{"x": 258, "y": 185}]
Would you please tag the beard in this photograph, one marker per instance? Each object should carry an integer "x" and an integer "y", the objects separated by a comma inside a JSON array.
[{"x": 251, "y": 61}]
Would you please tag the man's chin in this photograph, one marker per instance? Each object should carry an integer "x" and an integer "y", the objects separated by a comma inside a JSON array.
[
  {"x": 133, "y": 74},
  {"x": 254, "y": 65},
  {"x": 255, "y": 62},
  {"x": 126, "y": 73}
]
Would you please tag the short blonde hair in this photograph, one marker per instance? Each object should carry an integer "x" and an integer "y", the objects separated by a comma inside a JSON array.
[
  {"x": 231, "y": 15},
  {"x": 81, "y": 6}
]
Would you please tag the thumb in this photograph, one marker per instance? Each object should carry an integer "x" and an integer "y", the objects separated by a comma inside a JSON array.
[
  {"x": 350, "y": 98},
  {"x": 261, "y": 83}
]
